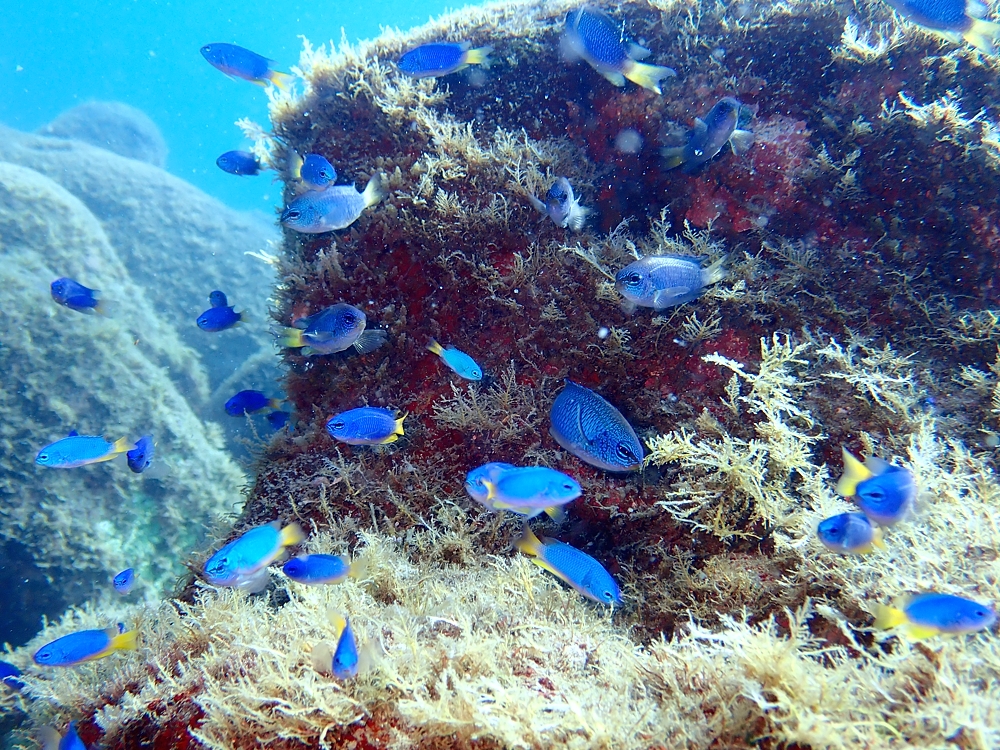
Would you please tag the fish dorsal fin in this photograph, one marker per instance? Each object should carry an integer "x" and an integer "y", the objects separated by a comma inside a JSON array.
[
  {"x": 700, "y": 128},
  {"x": 877, "y": 465},
  {"x": 73, "y": 433}
]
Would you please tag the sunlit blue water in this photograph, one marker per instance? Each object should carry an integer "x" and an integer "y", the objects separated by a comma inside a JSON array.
[{"x": 57, "y": 53}]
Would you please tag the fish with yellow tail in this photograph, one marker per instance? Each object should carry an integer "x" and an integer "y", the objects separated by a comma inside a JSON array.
[
  {"x": 80, "y": 450},
  {"x": 567, "y": 563},
  {"x": 885, "y": 493},
  {"x": 344, "y": 660},
  {"x": 954, "y": 20},
  {"x": 930, "y": 614},
  {"x": 243, "y": 562},
  {"x": 84, "y": 645}
]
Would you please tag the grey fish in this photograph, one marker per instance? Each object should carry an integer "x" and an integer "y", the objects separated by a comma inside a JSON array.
[
  {"x": 336, "y": 207},
  {"x": 724, "y": 124},
  {"x": 661, "y": 281},
  {"x": 562, "y": 206},
  {"x": 594, "y": 431},
  {"x": 332, "y": 330}
]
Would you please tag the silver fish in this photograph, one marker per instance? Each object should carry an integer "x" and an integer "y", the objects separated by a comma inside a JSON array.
[
  {"x": 562, "y": 206},
  {"x": 661, "y": 281},
  {"x": 336, "y": 207},
  {"x": 725, "y": 123}
]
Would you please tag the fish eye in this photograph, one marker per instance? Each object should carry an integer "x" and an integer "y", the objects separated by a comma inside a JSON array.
[
  {"x": 608, "y": 596},
  {"x": 624, "y": 452},
  {"x": 339, "y": 424},
  {"x": 43, "y": 456},
  {"x": 632, "y": 279},
  {"x": 292, "y": 215},
  {"x": 699, "y": 152},
  {"x": 876, "y": 494}
]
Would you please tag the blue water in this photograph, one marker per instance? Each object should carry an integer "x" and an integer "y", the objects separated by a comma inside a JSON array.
[{"x": 145, "y": 53}]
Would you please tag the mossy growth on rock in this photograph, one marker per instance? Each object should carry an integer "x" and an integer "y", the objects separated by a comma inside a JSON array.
[{"x": 857, "y": 311}]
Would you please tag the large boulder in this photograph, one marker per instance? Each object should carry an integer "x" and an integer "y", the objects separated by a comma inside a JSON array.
[{"x": 113, "y": 126}]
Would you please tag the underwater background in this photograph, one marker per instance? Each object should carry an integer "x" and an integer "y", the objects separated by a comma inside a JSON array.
[{"x": 726, "y": 272}]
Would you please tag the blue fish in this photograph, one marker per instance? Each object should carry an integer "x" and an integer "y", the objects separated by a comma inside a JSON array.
[
  {"x": 725, "y": 123},
  {"x": 592, "y": 35},
  {"x": 278, "y": 419},
  {"x": 316, "y": 172},
  {"x": 141, "y": 456},
  {"x": 442, "y": 58},
  {"x": 594, "y": 431},
  {"x": 662, "y": 281},
  {"x": 243, "y": 562},
  {"x": 332, "y": 330},
  {"x": 241, "y": 163},
  {"x": 562, "y": 206},
  {"x": 9, "y": 674},
  {"x": 578, "y": 569},
  {"x": 71, "y": 740},
  {"x": 80, "y": 450},
  {"x": 476, "y": 481},
  {"x": 84, "y": 645},
  {"x": 530, "y": 490},
  {"x": 250, "y": 402},
  {"x": 336, "y": 207},
  {"x": 76, "y": 296},
  {"x": 220, "y": 315},
  {"x": 237, "y": 62},
  {"x": 124, "y": 581},
  {"x": 317, "y": 569},
  {"x": 849, "y": 532},
  {"x": 345, "y": 658},
  {"x": 885, "y": 493},
  {"x": 460, "y": 362},
  {"x": 367, "y": 425},
  {"x": 952, "y": 19},
  {"x": 925, "y": 615}
]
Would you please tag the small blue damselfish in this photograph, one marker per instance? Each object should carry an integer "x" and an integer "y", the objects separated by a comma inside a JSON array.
[
  {"x": 76, "y": 296},
  {"x": 885, "y": 493},
  {"x": 238, "y": 62},
  {"x": 141, "y": 456},
  {"x": 8, "y": 676},
  {"x": 124, "y": 581},
  {"x": 240, "y": 163},
  {"x": 442, "y": 58},
  {"x": 243, "y": 562},
  {"x": 316, "y": 172},
  {"x": 578, "y": 569},
  {"x": 317, "y": 569},
  {"x": 220, "y": 315},
  {"x": 250, "y": 402},
  {"x": 331, "y": 330},
  {"x": 343, "y": 661},
  {"x": 80, "y": 450},
  {"x": 367, "y": 425},
  {"x": 929, "y": 614},
  {"x": 849, "y": 532},
  {"x": 84, "y": 645},
  {"x": 461, "y": 363}
]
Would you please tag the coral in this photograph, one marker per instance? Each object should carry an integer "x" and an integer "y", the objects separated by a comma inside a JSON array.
[{"x": 113, "y": 126}]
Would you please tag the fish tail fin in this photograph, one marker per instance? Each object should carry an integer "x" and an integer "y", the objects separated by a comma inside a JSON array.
[
  {"x": 556, "y": 513},
  {"x": 338, "y": 621},
  {"x": 648, "y": 76},
  {"x": 878, "y": 538},
  {"x": 275, "y": 403},
  {"x": 291, "y": 534},
  {"x": 126, "y": 641},
  {"x": 290, "y": 337},
  {"x": 435, "y": 348},
  {"x": 357, "y": 569},
  {"x": 674, "y": 156},
  {"x": 122, "y": 445},
  {"x": 295, "y": 163},
  {"x": 983, "y": 35},
  {"x": 528, "y": 543},
  {"x": 887, "y": 617},
  {"x": 241, "y": 317},
  {"x": 281, "y": 80},
  {"x": 479, "y": 56},
  {"x": 715, "y": 272},
  {"x": 374, "y": 191},
  {"x": 399, "y": 424},
  {"x": 855, "y": 472}
]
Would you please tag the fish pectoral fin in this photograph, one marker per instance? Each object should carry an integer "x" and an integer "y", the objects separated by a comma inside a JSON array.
[
  {"x": 556, "y": 514},
  {"x": 539, "y": 206},
  {"x": 669, "y": 296},
  {"x": 700, "y": 127},
  {"x": 673, "y": 156},
  {"x": 741, "y": 141},
  {"x": 371, "y": 340},
  {"x": 616, "y": 78},
  {"x": 855, "y": 472}
]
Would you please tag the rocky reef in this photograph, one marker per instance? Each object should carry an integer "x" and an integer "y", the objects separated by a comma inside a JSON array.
[
  {"x": 112, "y": 126},
  {"x": 860, "y": 310}
]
